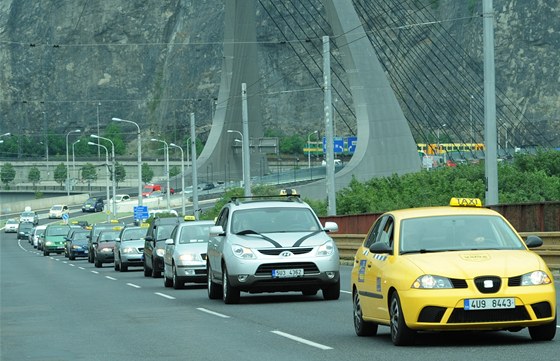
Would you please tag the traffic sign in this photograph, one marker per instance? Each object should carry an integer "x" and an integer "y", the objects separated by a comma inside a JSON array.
[
  {"x": 141, "y": 212},
  {"x": 65, "y": 217}
]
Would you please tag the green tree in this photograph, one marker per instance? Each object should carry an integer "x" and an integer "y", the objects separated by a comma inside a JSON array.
[
  {"x": 293, "y": 144},
  {"x": 120, "y": 173},
  {"x": 89, "y": 173},
  {"x": 113, "y": 132},
  {"x": 8, "y": 174},
  {"x": 147, "y": 173},
  {"x": 175, "y": 170},
  {"x": 34, "y": 175},
  {"x": 60, "y": 174}
]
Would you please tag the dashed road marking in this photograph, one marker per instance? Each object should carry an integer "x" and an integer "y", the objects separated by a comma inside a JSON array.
[
  {"x": 302, "y": 340},
  {"x": 165, "y": 296},
  {"x": 213, "y": 313}
]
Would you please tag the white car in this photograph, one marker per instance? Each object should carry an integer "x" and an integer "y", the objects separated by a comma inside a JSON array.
[
  {"x": 11, "y": 226},
  {"x": 58, "y": 210},
  {"x": 37, "y": 232},
  {"x": 155, "y": 212},
  {"x": 121, "y": 198}
]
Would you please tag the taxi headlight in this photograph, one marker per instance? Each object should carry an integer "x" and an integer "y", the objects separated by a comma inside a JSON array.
[
  {"x": 535, "y": 278},
  {"x": 129, "y": 250},
  {"x": 326, "y": 249},
  {"x": 431, "y": 282},
  {"x": 76, "y": 247},
  {"x": 48, "y": 243},
  {"x": 106, "y": 250},
  {"x": 242, "y": 252},
  {"x": 160, "y": 252}
]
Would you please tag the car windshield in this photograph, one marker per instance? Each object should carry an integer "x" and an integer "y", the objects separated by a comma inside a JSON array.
[
  {"x": 28, "y": 214},
  {"x": 80, "y": 236},
  {"x": 134, "y": 233},
  {"x": 57, "y": 231},
  {"x": 107, "y": 236},
  {"x": 456, "y": 233},
  {"x": 26, "y": 225},
  {"x": 164, "y": 231},
  {"x": 194, "y": 234},
  {"x": 272, "y": 220}
]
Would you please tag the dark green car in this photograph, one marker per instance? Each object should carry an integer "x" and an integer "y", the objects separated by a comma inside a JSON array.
[{"x": 54, "y": 238}]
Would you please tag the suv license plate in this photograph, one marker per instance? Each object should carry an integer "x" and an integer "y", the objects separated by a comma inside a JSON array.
[
  {"x": 488, "y": 303},
  {"x": 287, "y": 273}
]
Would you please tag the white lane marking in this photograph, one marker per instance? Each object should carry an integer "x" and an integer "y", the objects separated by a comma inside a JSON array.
[
  {"x": 302, "y": 340},
  {"x": 165, "y": 296},
  {"x": 133, "y": 285},
  {"x": 64, "y": 261},
  {"x": 111, "y": 278},
  {"x": 95, "y": 272},
  {"x": 346, "y": 292},
  {"x": 71, "y": 264},
  {"x": 56, "y": 259},
  {"x": 20, "y": 246},
  {"x": 81, "y": 267},
  {"x": 213, "y": 313}
]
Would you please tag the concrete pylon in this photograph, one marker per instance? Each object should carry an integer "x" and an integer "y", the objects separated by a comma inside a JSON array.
[
  {"x": 385, "y": 144},
  {"x": 221, "y": 158}
]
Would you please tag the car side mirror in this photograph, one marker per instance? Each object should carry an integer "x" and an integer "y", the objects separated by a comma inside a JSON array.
[
  {"x": 381, "y": 247},
  {"x": 169, "y": 242},
  {"x": 534, "y": 241},
  {"x": 216, "y": 231},
  {"x": 330, "y": 227}
]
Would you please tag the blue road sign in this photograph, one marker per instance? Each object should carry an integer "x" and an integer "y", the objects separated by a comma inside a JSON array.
[
  {"x": 338, "y": 143},
  {"x": 352, "y": 144},
  {"x": 65, "y": 216},
  {"x": 141, "y": 212}
]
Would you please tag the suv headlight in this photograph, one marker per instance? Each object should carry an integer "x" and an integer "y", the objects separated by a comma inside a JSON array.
[
  {"x": 242, "y": 252},
  {"x": 326, "y": 249},
  {"x": 535, "y": 278},
  {"x": 431, "y": 282}
]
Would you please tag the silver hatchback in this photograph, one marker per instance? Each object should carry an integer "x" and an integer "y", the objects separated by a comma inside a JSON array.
[
  {"x": 264, "y": 245},
  {"x": 129, "y": 248},
  {"x": 185, "y": 254}
]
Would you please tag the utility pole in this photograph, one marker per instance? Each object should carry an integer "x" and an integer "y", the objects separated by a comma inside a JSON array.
[{"x": 331, "y": 196}]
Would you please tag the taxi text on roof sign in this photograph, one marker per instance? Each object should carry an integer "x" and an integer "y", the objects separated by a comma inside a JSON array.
[{"x": 465, "y": 202}]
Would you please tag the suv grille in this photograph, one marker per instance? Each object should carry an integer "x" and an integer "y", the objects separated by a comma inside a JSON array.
[
  {"x": 266, "y": 269},
  {"x": 277, "y": 251}
]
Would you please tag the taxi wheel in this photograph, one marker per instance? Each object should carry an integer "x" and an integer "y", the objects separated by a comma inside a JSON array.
[
  {"x": 98, "y": 264},
  {"x": 167, "y": 282},
  {"x": 123, "y": 267},
  {"x": 362, "y": 328},
  {"x": 155, "y": 274},
  {"x": 147, "y": 271},
  {"x": 176, "y": 283},
  {"x": 332, "y": 292},
  {"x": 544, "y": 332},
  {"x": 116, "y": 266},
  {"x": 214, "y": 291},
  {"x": 401, "y": 335},
  {"x": 71, "y": 257},
  {"x": 230, "y": 294}
]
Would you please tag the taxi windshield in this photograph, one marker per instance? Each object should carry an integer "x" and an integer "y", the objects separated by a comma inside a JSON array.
[
  {"x": 194, "y": 234},
  {"x": 57, "y": 231},
  {"x": 134, "y": 234},
  {"x": 456, "y": 233}
]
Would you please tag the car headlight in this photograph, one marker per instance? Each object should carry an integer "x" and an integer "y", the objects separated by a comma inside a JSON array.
[
  {"x": 242, "y": 252},
  {"x": 186, "y": 257},
  {"x": 431, "y": 282},
  {"x": 106, "y": 250},
  {"x": 160, "y": 252},
  {"x": 76, "y": 247},
  {"x": 535, "y": 278},
  {"x": 129, "y": 250},
  {"x": 48, "y": 243},
  {"x": 326, "y": 249}
]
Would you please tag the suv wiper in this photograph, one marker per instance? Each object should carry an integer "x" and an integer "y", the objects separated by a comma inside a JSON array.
[{"x": 250, "y": 231}]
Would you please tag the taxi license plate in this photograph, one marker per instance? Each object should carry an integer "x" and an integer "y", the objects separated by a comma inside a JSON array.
[
  {"x": 287, "y": 273},
  {"x": 475, "y": 304}
]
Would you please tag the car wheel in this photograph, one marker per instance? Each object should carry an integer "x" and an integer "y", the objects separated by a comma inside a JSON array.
[
  {"x": 167, "y": 282},
  {"x": 401, "y": 335},
  {"x": 71, "y": 257},
  {"x": 544, "y": 332},
  {"x": 332, "y": 292},
  {"x": 98, "y": 264},
  {"x": 147, "y": 271},
  {"x": 230, "y": 294},
  {"x": 90, "y": 257},
  {"x": 214, "y": 291},
  {"x": 45, "y": 253},
  {"x": 155, "y": 274},
  {"x": 362, "y": 328},
  {"x": 116, "y": 266},
  {"x": 176, "y": 283},
  {"x": 123, "y": 266}
]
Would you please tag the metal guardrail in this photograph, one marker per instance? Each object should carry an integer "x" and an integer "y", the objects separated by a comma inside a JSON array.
[{"x": 348, "y": 244}]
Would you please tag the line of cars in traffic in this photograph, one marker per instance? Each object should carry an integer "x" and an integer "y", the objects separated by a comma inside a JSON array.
[{"x": 460, "y": 267}]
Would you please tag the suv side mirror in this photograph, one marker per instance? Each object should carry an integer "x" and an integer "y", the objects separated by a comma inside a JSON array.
[
  {"x": 169, "y": 241},
  {"x": 217, "y": 231},
  {"x": 331, "y": 227}
]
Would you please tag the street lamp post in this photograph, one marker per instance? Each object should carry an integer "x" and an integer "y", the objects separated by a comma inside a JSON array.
[
  {"x": 309, "y": 148},
  {"x": 114, "y": 204},
  {"x": 244, "y": 162},
  {"x": 107, "y": 165},
  {"x": 68, "y": 164},
  {"x": 166, "y": 151},
  {"x": 182, "y": 177},
  {"x": 74, "y": 158},
  {"x": 139, "y": 157},
  {"x": 188, "y": 143}
]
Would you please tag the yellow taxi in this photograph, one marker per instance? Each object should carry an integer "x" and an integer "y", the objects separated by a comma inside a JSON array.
[{"x": 459, "y": 267}]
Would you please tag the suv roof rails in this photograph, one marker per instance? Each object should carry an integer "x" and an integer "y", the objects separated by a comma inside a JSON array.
[{"x": 279, "y": 197}]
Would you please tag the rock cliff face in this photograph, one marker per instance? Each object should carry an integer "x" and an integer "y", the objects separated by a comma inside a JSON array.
[{"x": 155, "y": 62}]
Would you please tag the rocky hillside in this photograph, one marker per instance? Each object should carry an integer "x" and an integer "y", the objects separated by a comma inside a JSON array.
[{"x": 68, "y": 64}]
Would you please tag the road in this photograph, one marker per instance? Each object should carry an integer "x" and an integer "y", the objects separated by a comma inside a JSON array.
[{"x": 55, "y": 309}]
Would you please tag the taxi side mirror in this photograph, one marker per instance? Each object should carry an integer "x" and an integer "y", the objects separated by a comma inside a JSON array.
[{"x": 380, "y": 247}]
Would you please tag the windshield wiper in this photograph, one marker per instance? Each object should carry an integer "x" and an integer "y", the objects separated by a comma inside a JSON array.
[{"x": 250, "y": 231}]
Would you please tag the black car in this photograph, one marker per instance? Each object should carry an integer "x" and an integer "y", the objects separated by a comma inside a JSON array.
[
  {"x": 77, "y": 244},
  {"x": 93, "y": 204},
  {"x": 24, "y": 229},
  {"x": 94, "y": 232},
  {"x": 154, "y": 244}
]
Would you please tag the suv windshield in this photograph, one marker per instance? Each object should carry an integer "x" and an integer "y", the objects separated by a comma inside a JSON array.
[{"x": 277, "y": 219}]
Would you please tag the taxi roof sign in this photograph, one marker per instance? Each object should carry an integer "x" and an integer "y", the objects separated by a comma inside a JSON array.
[
  {"x": 189, "y": 218},
  {"x": 465, "y": 202}
]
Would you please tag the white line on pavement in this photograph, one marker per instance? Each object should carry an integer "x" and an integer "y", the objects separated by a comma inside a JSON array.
[
  {"x": 346, "y": 292},
  {"x": 213, "y": 313},
  {"x": 133, "y": 285},
  {"x": 111, "y": 278},
  {"x": 95, "y": 272},
  {"x": 164, "y": 295},
  {"x": 302, "y": 340},
  {"x": 81, "y": 267}
]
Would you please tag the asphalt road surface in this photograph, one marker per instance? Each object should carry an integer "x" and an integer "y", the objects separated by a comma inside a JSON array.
[{"x": 55, "y": 309}]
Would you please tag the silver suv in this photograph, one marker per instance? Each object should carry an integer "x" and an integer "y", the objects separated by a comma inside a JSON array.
[{"x": 265, "y": 244}]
